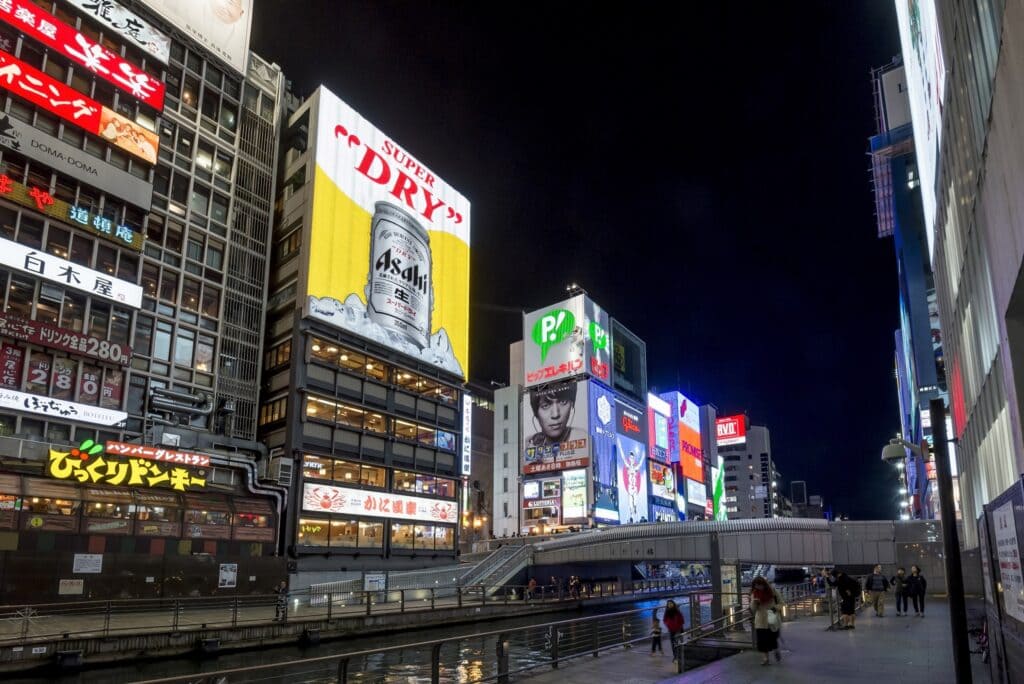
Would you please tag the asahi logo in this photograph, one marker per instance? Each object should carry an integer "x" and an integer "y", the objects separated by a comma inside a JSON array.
[{"x": 393, "y": 265}]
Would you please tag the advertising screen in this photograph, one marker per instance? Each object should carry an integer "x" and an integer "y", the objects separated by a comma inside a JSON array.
[
  {"x": 926, "y": 87},
  {"x": 629, "y": 362},
  {"x": 663, "y": 481},
  {"x": 658, "y": 412},
  {"x": 602, "y": 426},
  {"x": 531, "y": 489},
  {"x": 323, "y": 498},
  {"x": 220, "y": 26},
  {"x": 731, "y": 430},
  {"x": 631, "y": 462},
  {"x": 127, "y": 24},
  {"x": 388, "y": 253},
  {"x": 555, "y": 428},
  {"x": 696, "y": 493},
  {"x": 718, "y": 493},
  {"x": 691, "y": 455},
  {"x": 574, "y": 494},
  {"x": 565, "y": 340}
]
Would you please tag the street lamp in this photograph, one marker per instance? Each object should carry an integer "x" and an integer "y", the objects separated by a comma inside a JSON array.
[{"x": 894, "y": 452}]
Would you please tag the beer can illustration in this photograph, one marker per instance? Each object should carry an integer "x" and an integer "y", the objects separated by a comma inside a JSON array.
[{"x": 399, "y": 289}]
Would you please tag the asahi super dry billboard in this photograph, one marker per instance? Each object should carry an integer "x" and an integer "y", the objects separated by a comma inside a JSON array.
[{"x": 388, "y": 253}]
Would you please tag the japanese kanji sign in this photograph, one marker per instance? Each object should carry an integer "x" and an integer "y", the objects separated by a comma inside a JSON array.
[
  {"x": 153, "y": 453},
  {"x": 330, "y": 499},
  {"x": 131, "y": 26},
  {"x": 65, "y": 340},
  {"x": 132, "y": 472},
  {"x": 64, "y": 101},
  {"x": 30, "y": 19},
  {"x": 57, "y": 408},
  {"x": 49, "y": 267}
]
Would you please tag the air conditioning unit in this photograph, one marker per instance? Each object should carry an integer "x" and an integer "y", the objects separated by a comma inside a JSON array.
[
  {"x": 170, "y": 439},
  {"x": 281, "y": 471}
]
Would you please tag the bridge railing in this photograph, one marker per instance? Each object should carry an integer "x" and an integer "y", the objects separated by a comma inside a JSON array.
[
  {"x": 498, "y": 655},
  {"x": 21, "y": 624}
]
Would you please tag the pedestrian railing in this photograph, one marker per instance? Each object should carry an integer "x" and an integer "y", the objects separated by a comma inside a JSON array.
[
  {"x": 500, "y": 655},
  {"x": 30, "y": 623}
]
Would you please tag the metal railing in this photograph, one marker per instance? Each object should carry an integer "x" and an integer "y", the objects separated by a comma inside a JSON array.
[
  {"x": 498, "y": 655},
  {"x": 31, "y": 623}
]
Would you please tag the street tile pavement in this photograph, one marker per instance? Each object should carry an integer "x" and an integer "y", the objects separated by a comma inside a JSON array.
[{"x": 894, "y": 650}]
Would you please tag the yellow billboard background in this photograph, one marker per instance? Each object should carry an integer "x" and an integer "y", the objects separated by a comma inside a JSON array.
[{"x": 340, "y": 231}]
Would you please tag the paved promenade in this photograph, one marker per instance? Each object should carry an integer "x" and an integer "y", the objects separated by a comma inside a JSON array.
[{"x": 893, "y": 650}]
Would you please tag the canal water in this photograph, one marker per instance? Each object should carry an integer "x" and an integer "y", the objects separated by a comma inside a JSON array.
[{"x": 465, "y": 660}]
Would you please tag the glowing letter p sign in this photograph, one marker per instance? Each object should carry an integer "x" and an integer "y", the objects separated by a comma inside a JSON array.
[{"x": 552, "y": 328}]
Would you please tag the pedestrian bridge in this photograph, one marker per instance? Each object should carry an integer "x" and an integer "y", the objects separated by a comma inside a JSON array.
[{"x": 775, "y": 541}]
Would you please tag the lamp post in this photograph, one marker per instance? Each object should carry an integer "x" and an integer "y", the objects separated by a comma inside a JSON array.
[{"x": 894, "y": 452}]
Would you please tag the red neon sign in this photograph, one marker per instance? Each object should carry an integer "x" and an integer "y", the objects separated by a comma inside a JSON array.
[
  {"x": 27, "y": 17},
  {"x": 731, "y": 430},
  {"x": 74, "y": 107}
]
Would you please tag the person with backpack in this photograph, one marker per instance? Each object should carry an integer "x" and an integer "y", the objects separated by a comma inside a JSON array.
[
  {"x": 878, "y": 586},
  {"x": 917, "y": 586}
]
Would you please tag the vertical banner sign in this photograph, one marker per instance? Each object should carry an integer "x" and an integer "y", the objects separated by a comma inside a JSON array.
[
  {"x": 64, "y": 378},
  {"x": 388, "y": 254},
  {"x": 631, "y": 463},
  {"x": 1008, "y": 551},
  {"x": 467, "y": 433},
  {"x": 602, "y": 430},
  {"x": 113, "y": 382},
  {"x": 10, "y": 366}
]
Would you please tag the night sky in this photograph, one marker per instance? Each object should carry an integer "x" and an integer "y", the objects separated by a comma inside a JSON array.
[{"x": 700, "y": 170}]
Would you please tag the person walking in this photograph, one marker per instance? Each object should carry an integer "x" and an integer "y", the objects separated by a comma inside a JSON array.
[
  {"x": 878, "y": 585},
  {"x": 674, "y": 623},
  {"x": 899, "y": 587},
  {"x": 917, "y": 587},
  {"x": 847, "y": 591},
  {"x": 281, "y": 604},
  {"x": 656, "y": 633},
  {"x": 531, "y": 587},
  {"x": 765, "y": 604}
]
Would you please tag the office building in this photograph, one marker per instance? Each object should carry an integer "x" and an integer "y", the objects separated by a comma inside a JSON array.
[
  {"x": 506, "y": 489},
  {"x": 751, "y": 479},
  {"x": 135, "y": 214}
]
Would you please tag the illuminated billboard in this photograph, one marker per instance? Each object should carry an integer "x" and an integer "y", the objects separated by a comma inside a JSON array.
[
  {"x": 631, "y": 462},
  {"x": 602, "y": 433},
  {"x": 659, "y": 413},
  {"x": 696, "y": 493},
  {"x": 128, "y": 25},
  {"x": 663, "y": 481},
  {"x": 555, "y": 428},
  {"x": 565, "y": 340},
  {"x": 926, "y": 87},
  {"x": 220, "y": 26},
  {"x": 574, "y": 495},
  {"x": 388, "y": 254},
  {"x": 629, "y": 362},
  {"x": 691, "y": 455},
  {"x": 718, "y": 491},
  {"x": 731, "y": 430}
]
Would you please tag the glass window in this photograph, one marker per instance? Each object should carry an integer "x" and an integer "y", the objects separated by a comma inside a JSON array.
[
  {"x": 20, "y": 297},
  {"x": 157, "y": 513},
  {"x": 371, "y": 535},
  {"x": 345, "y": 533},
  {"x": 184, "y": 346},
  {"x": 48, "y": 506},
  {"x": 73, "y": 312},
  {"x": 375, "y": 423},
  {"x": 169, "y": 287},
  {"x": 444, "y": 537},
  {"x": 211, "y": 302},
  {"x": 99, "y": 319},
  {"x": 204, "y": 354},
  {"x": 352, "y": 361},
  {"x": 324, "y": 351},
  {"x": 251, "y": 520},
  {"x": 405, "y": 430},
  {"x": 345, "y": 471},
  {"x": 404, "y": 481},
  {"x": 313, "y": 531},
  {"x": 376, "y": 369},
  {"x": 321, "y": 409},
  {"x": 200, "y": 199},
  {"x": 425, "y": 435},
  {"x": 120, "y": 325},
  {"x": 402, "y": 535},
  {"x": 199, "y": 517},
  {"x": 424, "y": 537},
  {"x": 143, "y": 335},
  {"x": 445, "y": 487},
  {"x": 349, "y": 416},
  {"x": 317, "y": 467},
  {"x": 81, "y": 250},
  {"x": 101, "y": 509},
  {"x": 190, "y": 294},
  {"x": 372, "y": 476},
  {"x": 58, "y": 241},
  {"x": 426, "y": 484},
  {"x": 162, "y": 341}
]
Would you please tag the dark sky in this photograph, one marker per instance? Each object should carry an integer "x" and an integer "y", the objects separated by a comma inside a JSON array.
[{"x": 699, "y": 169}]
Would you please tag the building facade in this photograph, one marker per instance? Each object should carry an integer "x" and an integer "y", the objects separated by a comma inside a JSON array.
[
  {"x": 362, "y": 401},
  {"x": 135, "y": 210},
  {"x": 751, "y": 480}
]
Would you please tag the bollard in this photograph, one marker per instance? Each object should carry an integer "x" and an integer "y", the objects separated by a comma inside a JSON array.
[
  {"x": 343, "y": 671},
  {"x": 435, "y": 663},
  {"x": 502, "y": 658}
]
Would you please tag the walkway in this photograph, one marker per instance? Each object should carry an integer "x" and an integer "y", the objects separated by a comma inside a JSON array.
[{"x": 894, "y": 650}]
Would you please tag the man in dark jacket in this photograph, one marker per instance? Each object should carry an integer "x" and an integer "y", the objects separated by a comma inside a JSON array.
[
  {"x": 847, "y": 590},
  {"x": 899, "y": 587},
  {"x": 878, "y": 585}
]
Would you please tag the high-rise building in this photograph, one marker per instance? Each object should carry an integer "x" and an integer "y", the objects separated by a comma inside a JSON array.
[
  {"x": 362, "y": 403},
  {"x": 920, "y": 372},
  {"x": 506, "y": 489},
  {"x": 963, "y": 71},
  {"x": 751, "y": 489},
  {"x": 138, "y": 148}
]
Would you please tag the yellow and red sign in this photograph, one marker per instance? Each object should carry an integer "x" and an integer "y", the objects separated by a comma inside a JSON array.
[{"x": 86, "y": 464}]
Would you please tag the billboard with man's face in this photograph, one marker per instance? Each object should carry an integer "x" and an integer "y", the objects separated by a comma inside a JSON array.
[
  {"x": 555, "y": 435},
  {"x": 388, "y": 251},
  {"x": 566, "y": 340}
]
